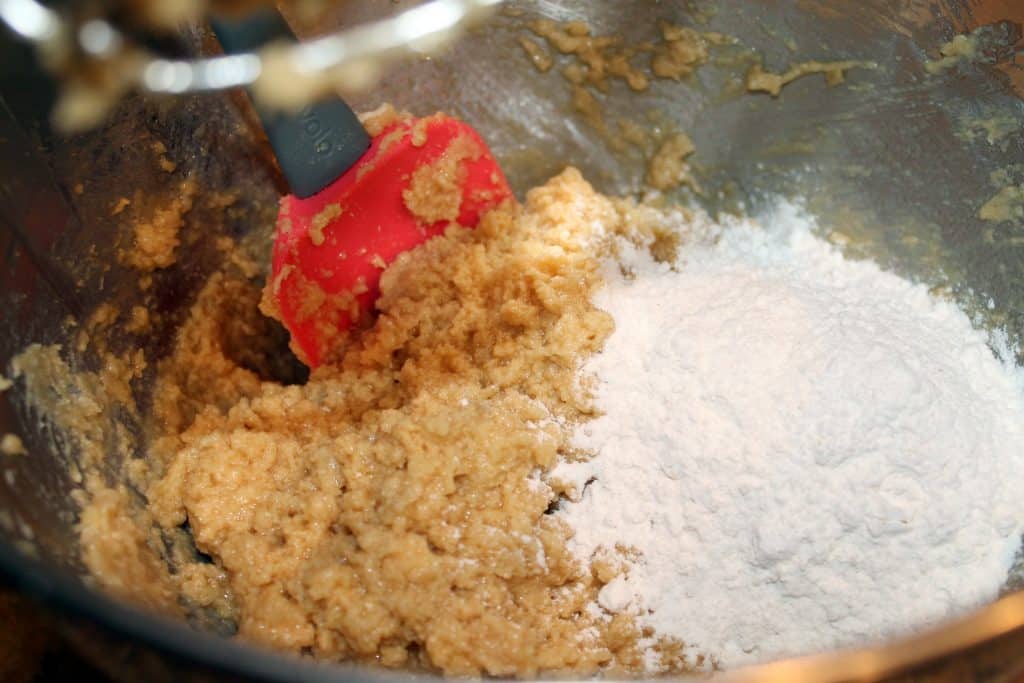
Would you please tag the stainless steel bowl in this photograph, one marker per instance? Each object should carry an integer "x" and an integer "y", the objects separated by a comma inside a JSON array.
[{"x": 896, "y": 163}]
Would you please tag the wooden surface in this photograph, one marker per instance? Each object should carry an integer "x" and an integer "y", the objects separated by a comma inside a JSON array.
[{"x": 31, "y": 650}]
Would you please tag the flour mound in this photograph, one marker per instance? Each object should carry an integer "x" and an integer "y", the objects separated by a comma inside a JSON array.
[{"x": 808, "y": 452}]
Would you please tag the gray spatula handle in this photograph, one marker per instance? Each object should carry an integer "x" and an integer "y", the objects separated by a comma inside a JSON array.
[{"x": 314, "y": 146}]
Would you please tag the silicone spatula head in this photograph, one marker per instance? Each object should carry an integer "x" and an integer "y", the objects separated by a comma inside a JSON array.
[
  {"x": 352, "y": 210},
  {"x": 419, "y": 177}
]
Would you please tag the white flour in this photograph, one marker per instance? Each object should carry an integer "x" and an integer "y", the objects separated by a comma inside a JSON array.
[{"x": 809, "y": 452}]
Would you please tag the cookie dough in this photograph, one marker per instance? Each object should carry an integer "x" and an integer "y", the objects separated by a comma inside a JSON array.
[{"x": 392, "y": 509}]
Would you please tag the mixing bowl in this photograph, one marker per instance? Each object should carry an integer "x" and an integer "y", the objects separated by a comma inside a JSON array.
[{"x": 896, "y": 163}]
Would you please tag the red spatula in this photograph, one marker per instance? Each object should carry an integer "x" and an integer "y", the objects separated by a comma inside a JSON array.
[{"x": 356, "y": 202}]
